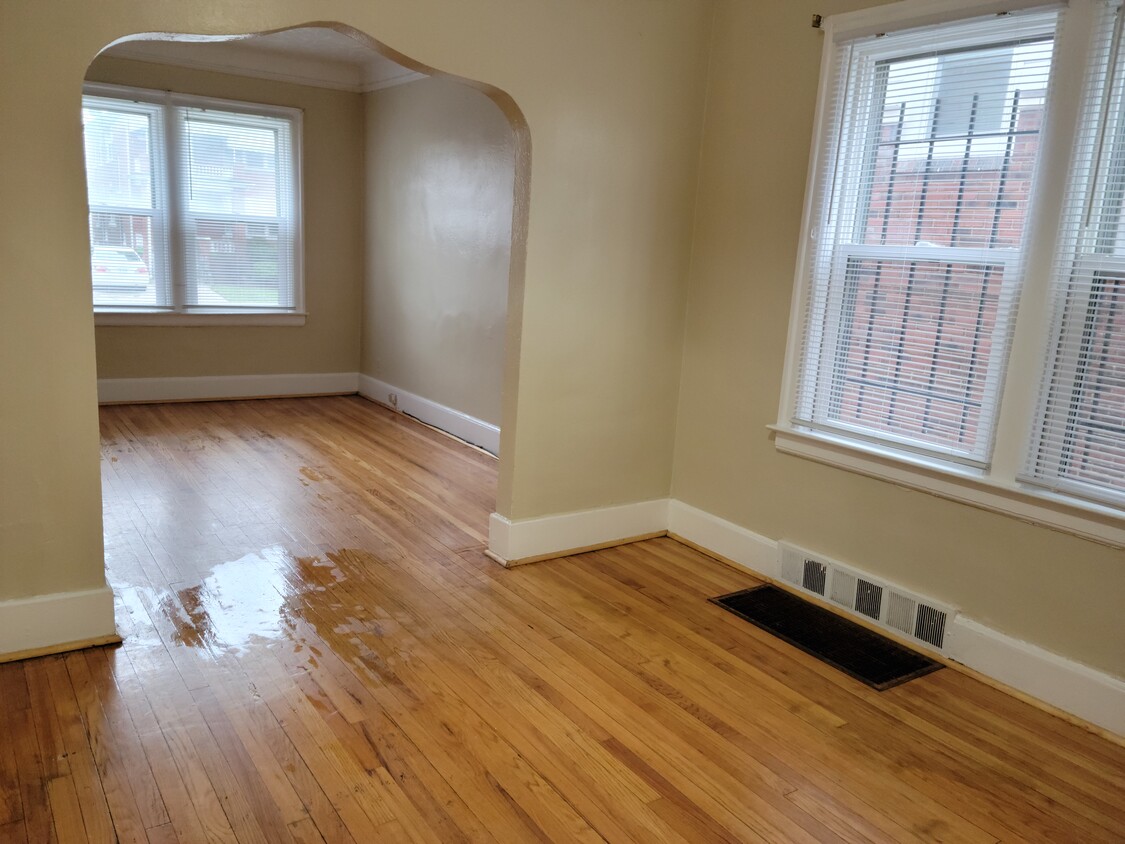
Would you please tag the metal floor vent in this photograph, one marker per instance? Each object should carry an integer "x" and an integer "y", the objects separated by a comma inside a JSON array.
[
  {"x": 921, "y": 619},
  {"x": 842, "y": 643}
]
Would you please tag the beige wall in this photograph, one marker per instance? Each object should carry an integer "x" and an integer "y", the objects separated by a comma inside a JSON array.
[
  {"x": 333, "y": 239},
  {"x": 612, "y": 93},
  {"x": 441, "y": 163},
  {"x": 1055, "y": 590}
]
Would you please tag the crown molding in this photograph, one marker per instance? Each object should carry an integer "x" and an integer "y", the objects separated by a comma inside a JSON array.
[
  {"x": 392, "y": 81},
  {"x": 290, "y": 69}
]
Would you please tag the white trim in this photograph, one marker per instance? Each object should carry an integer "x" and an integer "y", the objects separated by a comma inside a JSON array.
[
  {"x": 726, "y": 539},
  {"x": 291, "y": 69},
  {"x": 391, "y": 81},
  {"x": 1091, "y": 521},
  {"x": 909, "y": 14},
  {"x": 116, "y": 390},
  {"x": 461, "y": 425},
  {"x": 277, "y": 67},
  {"x": 1072, "y": 687},
  {"x": 526, "y": 539},
  {"x": 500, "y": 539},
  {"x": 180, "y": 318},
  {"x": 44, "y": 621},
  {"x": 1063, "y": 683},
  {"x": 207, "y": 387}
]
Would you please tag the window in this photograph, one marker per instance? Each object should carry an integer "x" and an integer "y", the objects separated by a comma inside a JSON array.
[
  {"x": 923, "y": 306},
  {"x": 1079, "y": 444},
  {"x": 194, "y": 205}
]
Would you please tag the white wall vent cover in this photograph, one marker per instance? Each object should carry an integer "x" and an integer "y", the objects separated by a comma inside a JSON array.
[
  {"x": 843, "y": 588},
  {"x": 922, "y": 619},
  {"x": 901, "y": 611},
  {"x": 792, "y": 565}
]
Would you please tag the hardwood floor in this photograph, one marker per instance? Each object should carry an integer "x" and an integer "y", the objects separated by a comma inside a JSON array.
[{"x": 316, "y": 649}]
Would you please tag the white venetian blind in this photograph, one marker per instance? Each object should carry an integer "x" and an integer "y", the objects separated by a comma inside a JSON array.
[
  {"x": 1080, "y": 444},
  {"x": 926, "y": 173},
  {"x": 237, "y": 182},
  {"x": 123, "y": 141}
]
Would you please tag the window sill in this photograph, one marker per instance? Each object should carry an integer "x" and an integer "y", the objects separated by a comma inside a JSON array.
[
  {"x": 1091, "y": 521},
  {"x": 153, "y": 318}
]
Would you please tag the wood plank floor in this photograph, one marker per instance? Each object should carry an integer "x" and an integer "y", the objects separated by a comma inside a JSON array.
[{"x": 317, "y": 650}]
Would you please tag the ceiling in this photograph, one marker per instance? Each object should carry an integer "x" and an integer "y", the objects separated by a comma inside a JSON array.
[{"x": 316, "y": 56}]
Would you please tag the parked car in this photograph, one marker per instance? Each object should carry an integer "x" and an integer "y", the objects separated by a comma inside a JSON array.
[{"x": 118, "y": 268}]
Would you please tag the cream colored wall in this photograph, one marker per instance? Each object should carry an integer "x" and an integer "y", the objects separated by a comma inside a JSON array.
[
  {"x": 441, "y": 163},
  {"x": 1055, "y": 590},
  {"x": 332, "y": 137},
  {"x": 611, "y": 93}
]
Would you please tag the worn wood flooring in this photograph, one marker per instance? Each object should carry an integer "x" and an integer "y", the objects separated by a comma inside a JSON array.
[{"x": 317, "y": 650}]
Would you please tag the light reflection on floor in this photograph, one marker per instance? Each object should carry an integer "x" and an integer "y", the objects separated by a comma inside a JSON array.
[{"x": 243, "y": 602}]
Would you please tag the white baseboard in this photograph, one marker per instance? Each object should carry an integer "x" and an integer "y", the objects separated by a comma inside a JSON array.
[
  {"x": 1063, "y": 683},
  {"x": 42, "y": 622},
  {"x": 461, "y": 425},
  {"x": 468, "y": 428},
  {"x": 534, "y": 539},
  {"x": 118, "y": 390},
  {"x": 722, "y": 538},
  {"x": 1077, "y": 689}
]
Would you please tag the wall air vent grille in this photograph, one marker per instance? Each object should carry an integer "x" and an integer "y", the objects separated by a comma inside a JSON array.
[
  {"x": 923, "y": 620},
  {"x": 868, "y": 598},
  {"x": 792, "y": 565},
  {"x": 815, "y": 577},
  {"x": 900, "y": 612},
  {"x": 843, "y": 588},
  {"x": 930, "y": 625}
]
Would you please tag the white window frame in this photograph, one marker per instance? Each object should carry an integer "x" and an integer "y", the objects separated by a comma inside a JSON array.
[
  {"x": 171, "y": 216},
  {"x": 996, "y": 485}
]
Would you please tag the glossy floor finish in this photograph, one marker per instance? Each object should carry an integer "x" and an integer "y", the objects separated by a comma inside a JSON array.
[{"x": 317, "y": 650}]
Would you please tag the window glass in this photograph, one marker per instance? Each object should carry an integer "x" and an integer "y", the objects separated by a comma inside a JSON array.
[
  {"x": 916, "y": 275},
  {"x": 203, "y": 220},
  {"x": 1079, "y": 446},
  {"x": 125, "y": 233}
]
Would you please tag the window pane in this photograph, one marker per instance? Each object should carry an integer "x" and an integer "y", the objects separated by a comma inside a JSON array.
[
  {"x": 962, "y": 105},
  {"x": 121, "y": 259},
  {"x": 124, "y": 189},
  {"x": 231, "y": 168},
  {"x": 237, "y": 264},
  {"x": 118, "y": 157},
  {"x": 914, "y": 349},
  {"x": 1080, "y": 445},
  {"x": 1093, "y": 443},
  {"x": 239, "y": 174},
  {"x": 956, "y": 147}
]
